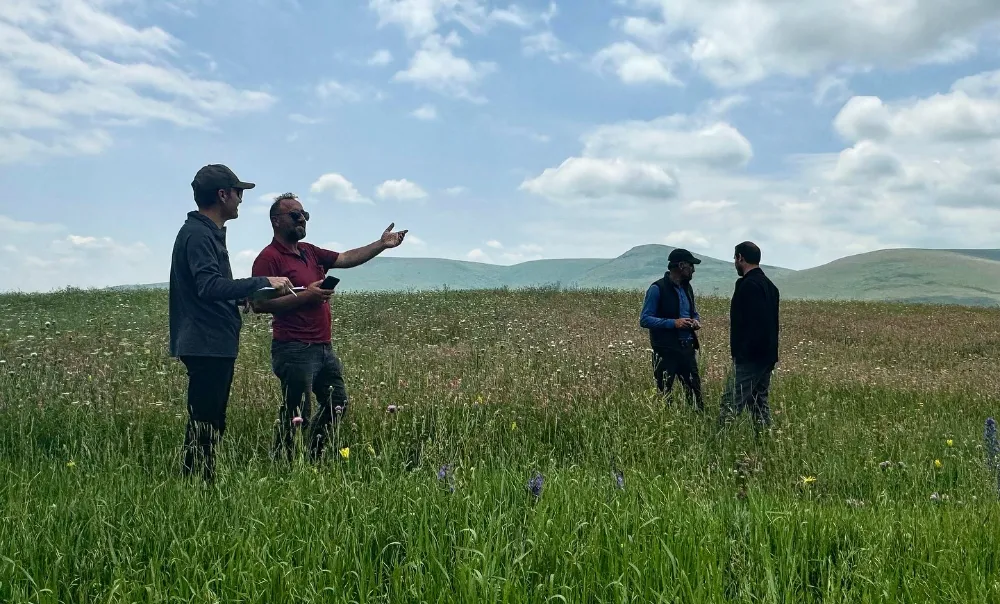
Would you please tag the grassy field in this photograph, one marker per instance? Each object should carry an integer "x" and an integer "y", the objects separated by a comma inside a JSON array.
[{"x": 873, "y": 486}]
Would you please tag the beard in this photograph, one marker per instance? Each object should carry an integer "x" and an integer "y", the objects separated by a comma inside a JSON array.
[
  {"x": 297, "y": 234},
  {"x": 740, "y": 271}
]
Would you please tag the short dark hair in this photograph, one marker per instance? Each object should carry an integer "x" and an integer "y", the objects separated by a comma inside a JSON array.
[
  {"x": 277, "y": 202},
  {"x": 205, "y": 198},
  {"x": 749, "y": 251}
]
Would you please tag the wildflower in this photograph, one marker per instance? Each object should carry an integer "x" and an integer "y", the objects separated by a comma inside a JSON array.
[
  {"x": 71, "y": 464},
  {"x": 297, "y": 421},
  {"x": 345, "y": 452},
  {"x": 950, "y": 442},
  {"x": 619, "y": 478},
  {"x": 513, "y": 426},
  {"x": 338, "y": 409},
  {"x": 391, "y": 408},
  {"x": 808, "y": 479},
  {"x": 885, "y": 465},
  {"x": 443, "y": 472},
  {"x": 371, "y": 450},
  {"x": 938, "y": 464},
  {"x": 535, "y": 485},
  {"x": 856, "y": 503}
]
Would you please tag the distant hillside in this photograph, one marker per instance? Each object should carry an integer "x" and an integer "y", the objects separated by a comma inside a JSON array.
[{"x": 968, "y": 277}]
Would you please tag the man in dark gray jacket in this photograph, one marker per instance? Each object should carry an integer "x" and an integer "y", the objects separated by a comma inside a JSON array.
[
  {"x": 753, "y": 339},
  {"x": 204, "y": 303}
]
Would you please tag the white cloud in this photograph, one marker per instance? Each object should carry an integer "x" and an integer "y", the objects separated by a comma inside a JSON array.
[
  {"x": 298, "y": 118},
  {"x": 425, "y": 112},
  {"x": 436, "y": 67},
  {"x": 478, "y": 255},
  {"x": 414, "y": 241},
  {"x": 399, "y": 189},
  {"x": 72, "y": 69},
  {"x": 493, "y": 243},
  {"x": 580, "y": 180},
  {"x": 738, "y": 42},
  {"x": 337, "y": 187},
  {"x": 332, "y": 89},
  {"x": 914, "y": 172},
  {"x": 456, "y": 190},
  {"x": 546, "y": 43},
  {"x": 380, "y": 58},
  {"x": 634, "y": 65},
  {"x": 685, "y": 238}
]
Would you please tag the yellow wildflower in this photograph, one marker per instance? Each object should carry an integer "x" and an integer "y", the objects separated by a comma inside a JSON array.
[
  {"x": 71, "y": 464},
  {"x": 345, "y": 452},
  {"x": 950, "y": 442},
  {"x": 808, "y": 479},
  {"x": 938, "y": 464}
]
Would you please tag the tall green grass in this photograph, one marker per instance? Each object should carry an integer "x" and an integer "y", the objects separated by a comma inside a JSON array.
[{"x": 495, "y": 386}]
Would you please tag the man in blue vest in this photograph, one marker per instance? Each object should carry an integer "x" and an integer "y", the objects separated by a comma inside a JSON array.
[{"x": 670, "y": 315}]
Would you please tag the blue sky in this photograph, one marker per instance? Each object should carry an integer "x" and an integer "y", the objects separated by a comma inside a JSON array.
[{"x": 494, "y": 131}]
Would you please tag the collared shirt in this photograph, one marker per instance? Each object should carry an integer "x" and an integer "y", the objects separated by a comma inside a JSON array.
[
  {"x": 308, "y": 323},
  {"x": 204, "y": 298}
]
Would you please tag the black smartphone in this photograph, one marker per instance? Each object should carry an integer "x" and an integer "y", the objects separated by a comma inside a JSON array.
[{"x": 329, "y": 283}]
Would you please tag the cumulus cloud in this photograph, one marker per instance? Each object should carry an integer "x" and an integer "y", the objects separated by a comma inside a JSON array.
[
  {"x": 338, "y": 188},
  {"x": 425, "y": 113},
  {"x": 400, "y": 189},
  {"x": 46, "y": 256},
  {"x": 436, "y": 67},
  {"x": 72, "y": 70},
  {"x": 738, "y": 42},
  {"x": 913, "y": 172},
  {"x": 634, "y": 65}
]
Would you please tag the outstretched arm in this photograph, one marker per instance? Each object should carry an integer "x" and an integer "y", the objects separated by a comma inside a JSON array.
[{"x": 360, "y": 255}]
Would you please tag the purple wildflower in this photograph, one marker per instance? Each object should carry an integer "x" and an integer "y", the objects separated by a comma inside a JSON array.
[
  {"x": 535, "y": 485},
  {"x": 619, "y": 478},
  {"x": 443, "y": 472}
]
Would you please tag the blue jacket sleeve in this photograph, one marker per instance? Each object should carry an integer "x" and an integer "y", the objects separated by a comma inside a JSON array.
[
  {"x": 647, "y": 319},
  {"x": 211, "y": 283}
]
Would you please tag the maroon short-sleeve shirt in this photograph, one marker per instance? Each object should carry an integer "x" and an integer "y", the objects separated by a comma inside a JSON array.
[{"x": 309, "y": 323}]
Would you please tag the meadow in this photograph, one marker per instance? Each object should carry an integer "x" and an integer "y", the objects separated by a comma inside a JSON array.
[{"x": 873, "y": 486}]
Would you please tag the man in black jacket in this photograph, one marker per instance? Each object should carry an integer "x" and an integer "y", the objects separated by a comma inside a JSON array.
[
  {"x": 204, "y": 309},
  {"x": 753, "y": 339},
  {"x": 670, "y": 315}
]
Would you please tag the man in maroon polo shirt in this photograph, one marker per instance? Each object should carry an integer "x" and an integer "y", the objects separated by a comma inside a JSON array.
[{"x": 302, "y": 355}]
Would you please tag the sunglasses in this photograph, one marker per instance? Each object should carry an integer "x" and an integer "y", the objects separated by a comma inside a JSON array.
[{"x": 295, "y": 215}]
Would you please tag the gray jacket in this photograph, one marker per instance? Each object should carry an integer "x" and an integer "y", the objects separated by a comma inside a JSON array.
[{"x": 204, "y": 299}]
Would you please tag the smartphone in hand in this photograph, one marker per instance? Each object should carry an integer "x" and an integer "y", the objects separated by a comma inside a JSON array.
[{"x": 329, "y": 283}]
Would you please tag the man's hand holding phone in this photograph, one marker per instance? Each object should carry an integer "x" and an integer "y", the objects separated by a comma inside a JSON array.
[{"x": 316, "y": 290}]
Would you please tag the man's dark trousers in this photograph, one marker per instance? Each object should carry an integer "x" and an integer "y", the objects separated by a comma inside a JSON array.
[
  {"x": 306, "y": 369},
  {"x": 210, "y": 381},
  {"x": 747, "y": 387},
  {"x": 679, "y": 363}
]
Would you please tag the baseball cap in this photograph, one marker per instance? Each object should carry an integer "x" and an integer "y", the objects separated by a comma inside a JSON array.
[
  {"x": 682, "y": 255},
  {"x": 218, "y": 176}
]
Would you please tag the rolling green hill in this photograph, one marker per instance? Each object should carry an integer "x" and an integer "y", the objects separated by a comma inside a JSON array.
[{"x": 967, "y": 277}]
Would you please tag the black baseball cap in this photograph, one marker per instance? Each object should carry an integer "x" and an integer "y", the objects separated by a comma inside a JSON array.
[
  {"x": 217, "y": 176},
  {"x": 682, "y": 255}
]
